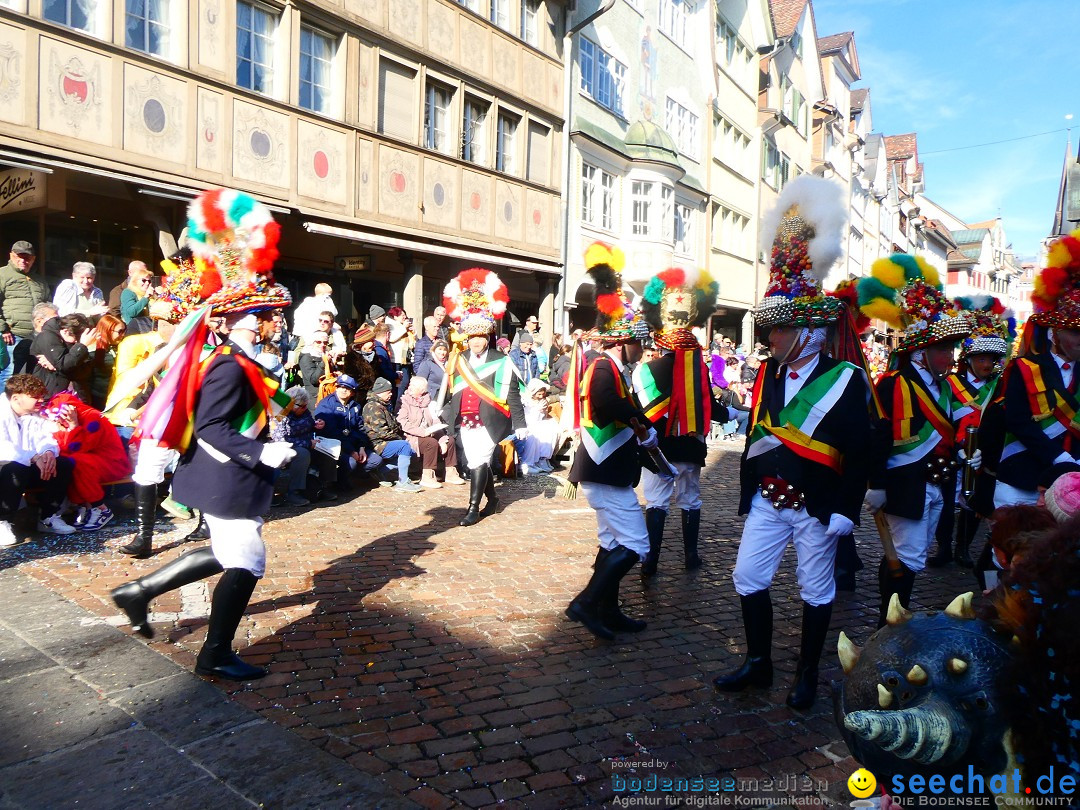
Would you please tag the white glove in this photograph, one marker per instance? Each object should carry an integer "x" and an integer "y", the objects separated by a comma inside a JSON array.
[
  {"x": 975, "y": 461},
  {"x": 521, "y": 433},
  {"x": 650, "y": 441},
  {"x": 838, "y": 526},
  {"x": 276, "y": 454},
  {"x": 875, "y": 499}
]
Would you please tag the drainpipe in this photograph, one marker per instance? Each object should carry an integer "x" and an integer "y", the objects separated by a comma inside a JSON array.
[{"x": 561, "y": 316}]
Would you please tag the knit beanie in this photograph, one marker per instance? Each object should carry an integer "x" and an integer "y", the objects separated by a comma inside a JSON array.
[{"x": 1063, "y": 497}]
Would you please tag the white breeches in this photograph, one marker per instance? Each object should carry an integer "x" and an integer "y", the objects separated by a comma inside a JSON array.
[
  {"x": 1006, "y": 495},
  {"x": 913, "y": 538},
  {"x": 238, "y": 543},
  {"x": 477, "y": 445},
  {"x": 686, "y": 487},
  {"x": 765, "y": 535},
  {"x": 152, "y": 462},
  {"x": 540, "y": 443},
  {"x": 619, "y": 519}
]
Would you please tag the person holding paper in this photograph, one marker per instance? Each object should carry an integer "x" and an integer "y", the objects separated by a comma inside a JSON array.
[{"x": 426, "y": 434}]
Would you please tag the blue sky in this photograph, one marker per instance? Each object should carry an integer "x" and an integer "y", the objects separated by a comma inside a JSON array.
[{"x": 960, "y": 73}]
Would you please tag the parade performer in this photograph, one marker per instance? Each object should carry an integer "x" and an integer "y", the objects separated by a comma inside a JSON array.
[
  {"x": 482, "y": 383},
  {"x": 918, "y": 479},
  {"x": 1042, "y": 429},
  {"x": 216, "y": 411},
  {"x": 805, "y": 466},
  {"x": 673, "y": 391},
  {"x": 972, "y": 386},
  {"x": 607, "y": 465}
]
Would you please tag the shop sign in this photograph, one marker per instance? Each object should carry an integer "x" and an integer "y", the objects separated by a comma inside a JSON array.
[
  {"x": 353, "y": 264},
  {"x": 21, "y": 189}
]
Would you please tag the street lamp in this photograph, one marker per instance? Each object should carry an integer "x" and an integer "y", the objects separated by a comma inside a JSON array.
[{"x": 561, "y": 315}]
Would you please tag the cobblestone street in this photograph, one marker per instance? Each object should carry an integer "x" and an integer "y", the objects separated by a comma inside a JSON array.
[{"x": 438, "y": 658}]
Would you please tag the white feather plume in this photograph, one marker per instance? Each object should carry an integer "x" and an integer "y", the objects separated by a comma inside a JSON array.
[{"x": 821, "y": 203}]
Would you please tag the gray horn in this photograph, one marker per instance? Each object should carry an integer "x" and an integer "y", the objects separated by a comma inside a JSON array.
[{"x": 924, "y": 733}]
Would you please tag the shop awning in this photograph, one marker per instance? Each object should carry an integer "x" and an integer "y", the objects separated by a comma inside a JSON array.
[{"x": 370, "y": 237}]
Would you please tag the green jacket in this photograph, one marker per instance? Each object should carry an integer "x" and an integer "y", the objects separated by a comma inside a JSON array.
[
  {"x": 19, "y": 294},
  {"x": 380, "y": 424}
]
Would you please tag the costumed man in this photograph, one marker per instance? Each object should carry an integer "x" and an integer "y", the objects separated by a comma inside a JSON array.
[
  {"x": 805, "y": 466},
  {"x": 972, "y": 386},
  {"x": 1042, "y": 428},
  {"x": 183, "y": 293},
  {"x": 485, "y": 399},
  {"x": 673, "y": 392},
  {"x": 218, "y": 411},
  {"x": 917, "y": 481},
  {"x": 607, "y": 465}
]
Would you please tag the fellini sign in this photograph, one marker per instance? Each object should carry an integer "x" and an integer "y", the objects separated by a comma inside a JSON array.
[{"x": 22, "y": 190}]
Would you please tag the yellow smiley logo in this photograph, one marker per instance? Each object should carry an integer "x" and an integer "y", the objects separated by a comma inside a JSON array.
[{"x": 861, "y": 783}]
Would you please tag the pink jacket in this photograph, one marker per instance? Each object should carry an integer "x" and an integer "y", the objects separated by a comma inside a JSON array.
[{"x": 413, "y": 416}]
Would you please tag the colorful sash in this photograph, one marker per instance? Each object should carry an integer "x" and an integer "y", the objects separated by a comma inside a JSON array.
[
  {"x": 688, "y": 406},
  {"x": 601, "y": 442},
  {"x": 501, "y": 371},
  {"x": 908, "y": 447},
  {"x": 800, "y": 418},
  {"x": 968, "y": 405},
  {"x": 1053, "y": 422}
]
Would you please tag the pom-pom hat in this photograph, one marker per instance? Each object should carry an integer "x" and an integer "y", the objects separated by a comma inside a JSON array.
[
  {"x": 674, "y": 302},
  {"x": 233, "y": 238},
  {"x": 477, "y": 300},
  {"x": 1056, "y": 297},
  {"x": 993, "y": 326},
  {"x": 905, "y": 292},
  {"x": 804, "y": 230},
  {"x": 616, "y": 321},
  {"x": 1063, "y": 496}
]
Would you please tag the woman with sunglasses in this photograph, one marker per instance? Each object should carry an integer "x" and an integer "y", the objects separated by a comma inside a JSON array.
[
  {"x": 135, "y": 302},
  {"x": 312, "y": 361}
]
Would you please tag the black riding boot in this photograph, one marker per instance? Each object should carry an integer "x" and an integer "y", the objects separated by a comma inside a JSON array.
[
  {"x": 815, "y": 625},
  {"x": 691, "y": 528},
  {"x": 654, "y": 522},
  {"x": 200, "y": 532},
  {"x": 756, "y": 669},
  {"x": 943, "y": 534},
  {"x": 230, "y": 600},
  {"x": 134, "y": 597},
  {"x": 966, "y": 528},
  {"x": 888, "y": 584},
  {"x": 847, "y": 563},
  {"x": 145, "y": 508},
  {"x": 983, "y": 564},
  {"x": 587, "y": 606},
  {"x": 492, "y": 505},
  {"x": 477, "y": 484},
  {"x": 610, "y": 613}
]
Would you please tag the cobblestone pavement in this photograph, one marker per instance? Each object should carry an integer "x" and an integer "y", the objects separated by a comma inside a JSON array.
[{"x": 438, "y": 657}]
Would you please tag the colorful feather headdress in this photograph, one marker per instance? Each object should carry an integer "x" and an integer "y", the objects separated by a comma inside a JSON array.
[
  {"x": 905, "y": 292},
  {"x": 677, "y": 300},
  {"x": 993, "y": 327},
  {"x": 616, "y": 320},
  {"x": 477, "y": 300},
  {"x": 1056, "y": 297},
  {"x": 847, "y": 291},
  {"x": 233, "y": 238},
  {"x": 804, "y": 231}
]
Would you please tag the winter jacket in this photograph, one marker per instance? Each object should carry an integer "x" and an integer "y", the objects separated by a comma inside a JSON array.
[
  {"x": 528, "y": 365},
  {"x": 312, "y": 368},
  {"x": 380, "y": 424},
  {"x": 431, "y": 371},
  {"x": 420, "y": 352},
  {"x": 296, "y": 429},
  {"x": 73, "y": 362},
  {"x": 559, "y": 371},
  {"x": 343, "y": 421},
  {"x": 414, "y": 418},
  {"x": 19, "y": 294}
]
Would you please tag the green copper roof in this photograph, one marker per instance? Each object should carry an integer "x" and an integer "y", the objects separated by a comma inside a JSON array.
[{"x": 646, "y": 141}]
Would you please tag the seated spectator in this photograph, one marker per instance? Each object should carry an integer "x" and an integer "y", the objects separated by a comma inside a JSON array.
[
  {"x": 298, "y": 428},
  {"x": 110, "y": 331},
  {"x": 339, "y": 416},
  {"x": 555, "y": 349},
  {"x": 78, "y": 293},
  {"x": 325, "y": 323},
  {"x": 63, "y": 349},
  {"x": 386, "y": 434},
  {"x": 314, "y": 362},
  {"x": 433, "y": 369},
  {"x": 382, "y": 364},
  {"x": 135, "y": 301},
  {"x": 29, "y": 458},
  {"x": 560, "y": 370},
  {"x": 732, "y": 372},
  {"x": 717, "y": 378},
  {"x": 94, "y": 447},
  {"x": 736, "y": 397},
  {"x": 524, "y": 358},
  {"x": 543, "y": 439},
  {"x": 419, "y": 425},
  {"x": 748, "y": 375}
]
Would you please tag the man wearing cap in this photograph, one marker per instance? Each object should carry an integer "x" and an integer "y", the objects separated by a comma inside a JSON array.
[
  {"x": 524, "y": 358},
  {"x": 19, "y": 294},
  {"x": 805, "y": 466},
  {"x": 339, "y": 416},
  {"x": 386, "y": 434},
  {"x": 376, "y": 315}
]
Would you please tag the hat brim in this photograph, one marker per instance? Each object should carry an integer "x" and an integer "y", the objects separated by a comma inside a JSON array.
[{"x": 778, "y": 310}]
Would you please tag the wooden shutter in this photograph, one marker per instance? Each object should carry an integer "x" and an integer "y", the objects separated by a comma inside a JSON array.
[
  {"x": 397, "y": 100},
  {"x": 539, "y": 153}
]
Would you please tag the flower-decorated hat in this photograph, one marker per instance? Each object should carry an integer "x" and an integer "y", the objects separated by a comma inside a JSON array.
[
  {"x": 805, "y": 230},
  {"x": 477, "y": 299},
  {"x": 233, "y": 238},
  {"x": 993, "y": 327},
  {"x": 847, "y": 291},
  {"x": 1056, "y": 297},
  {"x": 182, "y": 285},
  {"x": 674, "y": 302},
  {"x": 616, "y": 321},
  {"x": 905, "y": 292}
]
